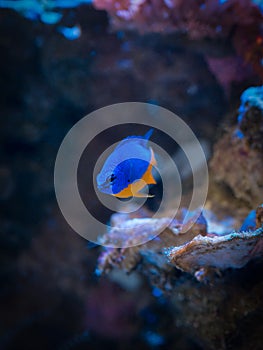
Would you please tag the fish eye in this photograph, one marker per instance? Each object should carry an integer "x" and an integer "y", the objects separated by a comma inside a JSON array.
[{"x": 111, "y": 178}]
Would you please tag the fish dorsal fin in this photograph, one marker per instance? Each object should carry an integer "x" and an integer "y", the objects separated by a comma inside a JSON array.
[
  {"x": 144, "y": 137},
  {"x": 141, "y": 139},
  {"x": 148, "y": 134}
]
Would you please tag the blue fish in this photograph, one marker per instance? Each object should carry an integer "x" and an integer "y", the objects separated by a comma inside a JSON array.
[{"x": 128, "y": 169}]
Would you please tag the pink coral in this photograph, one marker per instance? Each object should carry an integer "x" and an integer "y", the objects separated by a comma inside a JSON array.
[
  {"x": 228, "y": 70},
  {"x": 209, "y": 18},
  {"x": 237, "y": 20}
]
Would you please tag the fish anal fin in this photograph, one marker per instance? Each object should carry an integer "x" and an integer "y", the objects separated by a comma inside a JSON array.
[
  {"x": 132, "y": 189},
  {"x": 125, "y": 193},
  {"x": 137, "y": 187}
]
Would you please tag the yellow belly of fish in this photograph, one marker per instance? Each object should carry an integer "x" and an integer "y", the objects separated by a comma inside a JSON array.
[{"x": 132, "y": 190}]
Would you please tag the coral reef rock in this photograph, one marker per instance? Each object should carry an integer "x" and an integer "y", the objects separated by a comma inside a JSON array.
[
  {"x": 238, "y": 155},
  {"x": 195, "y": 251},
  {"x": 232, "y": 250},
  {"x": 237, "y": 20},
  {"x": 128, "y": 234},
  {"x": 211, "y": 18}
]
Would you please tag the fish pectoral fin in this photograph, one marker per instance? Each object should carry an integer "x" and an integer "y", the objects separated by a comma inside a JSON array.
[{"x": 142, "y": 195}]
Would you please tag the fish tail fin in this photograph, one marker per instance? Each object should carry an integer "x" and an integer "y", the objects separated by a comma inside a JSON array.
[
  {"x": 151, "y": 179},
  {"x": 148, "y": 134},
  {"x": 153, "y": 160}
]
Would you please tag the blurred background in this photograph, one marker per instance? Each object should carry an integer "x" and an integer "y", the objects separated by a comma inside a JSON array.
[{"x": 56, "y": 66}]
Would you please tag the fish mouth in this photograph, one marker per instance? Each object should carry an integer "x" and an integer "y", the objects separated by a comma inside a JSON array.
[
  {"x": 102, "y": 185},
  {"x": 105, "y": 187}
]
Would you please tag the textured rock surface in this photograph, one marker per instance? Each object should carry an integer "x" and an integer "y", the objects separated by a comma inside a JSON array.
[
  {"x": 128, "y": 234},
  {"x": 189, "y": 251},
  {"x": 211, "y": 312},
  {"x": 238, "y": 156},
  {"x": 232, "y": 250}
]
